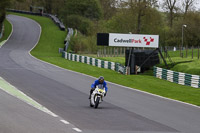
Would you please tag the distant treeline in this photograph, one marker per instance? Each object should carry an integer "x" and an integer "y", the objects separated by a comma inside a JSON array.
[{"x": 135, "y": 16}]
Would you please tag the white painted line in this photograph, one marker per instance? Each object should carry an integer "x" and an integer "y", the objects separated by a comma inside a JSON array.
[
  {"x": 35, "y": 104},
  {"x": 78, "y": 130},
  {"x": 65, "y": 122}
]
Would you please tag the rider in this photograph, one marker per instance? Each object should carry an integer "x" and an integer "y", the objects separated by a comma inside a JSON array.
[{"x": 100, "y": 81}]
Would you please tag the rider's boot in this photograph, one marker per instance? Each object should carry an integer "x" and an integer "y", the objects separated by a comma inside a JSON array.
[{"x": 91, "y": 91}]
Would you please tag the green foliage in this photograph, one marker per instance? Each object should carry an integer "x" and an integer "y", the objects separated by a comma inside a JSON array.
[
  {"x": 85, "y": 8},
  {"x": 192, "y": 30},
  {"x": 84, "y": 25},
  {"x": 125, "y": 21},
  {"x": 122, "y": 22},
  {"x": 3, "y": 5},
  {"x": 173, "y": 36},
  {"x": 83, "y": 44},
  {"x": 80, "y": 14},
  {"x": 108, "y": 7},
  {"x": 7, "y": 30}
]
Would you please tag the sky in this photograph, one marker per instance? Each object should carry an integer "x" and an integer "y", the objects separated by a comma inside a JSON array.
[{"x": 196, "y": 3}]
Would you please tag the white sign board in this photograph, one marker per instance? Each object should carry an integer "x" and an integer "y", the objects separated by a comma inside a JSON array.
[{"x": 133, "y": 40}]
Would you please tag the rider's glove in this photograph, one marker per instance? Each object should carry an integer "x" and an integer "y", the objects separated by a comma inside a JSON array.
[{"x": 105, "y": 94}]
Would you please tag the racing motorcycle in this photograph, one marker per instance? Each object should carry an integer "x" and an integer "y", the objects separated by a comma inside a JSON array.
[{"x": 97, "y": 96}]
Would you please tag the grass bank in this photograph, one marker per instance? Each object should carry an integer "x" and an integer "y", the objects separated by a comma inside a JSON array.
[
  {"x": 7, "y": 30},
  {"x": 52, "y": 38},
  {"x": 186, "y": 64}
]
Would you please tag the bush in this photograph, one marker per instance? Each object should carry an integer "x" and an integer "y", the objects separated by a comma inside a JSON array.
[
  {"x": 83, "y": 44},
  {"x": 84, "y": 25}
]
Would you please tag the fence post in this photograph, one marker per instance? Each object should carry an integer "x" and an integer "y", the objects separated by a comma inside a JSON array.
[
  {"x": 192, "y": 51},
  {"x": 114, "y": 51},
  {"x": 101, "y": 52},
  {"x": 198, "y": 51},
  {"x": 186, "y": 50}
]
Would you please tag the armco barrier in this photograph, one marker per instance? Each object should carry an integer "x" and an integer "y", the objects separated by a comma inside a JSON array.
[
  {"x": 53, "y": 17},
  {"x": 70, "y": 33},
  {"x": 95, "y": 62},
  {"x": 177, "y": 77}
]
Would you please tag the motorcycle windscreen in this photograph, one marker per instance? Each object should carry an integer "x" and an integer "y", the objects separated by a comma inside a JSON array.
[{"x": 100, "y": 86}]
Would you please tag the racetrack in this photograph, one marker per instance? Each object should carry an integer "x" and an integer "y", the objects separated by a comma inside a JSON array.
[{"x": 66, "y": 93}]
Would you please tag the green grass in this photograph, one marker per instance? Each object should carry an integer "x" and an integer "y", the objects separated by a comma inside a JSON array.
[
  {"x": 186, "y": 65},
  {"x": 52, "y": 38},
  {"x": 7, "y": 30}
]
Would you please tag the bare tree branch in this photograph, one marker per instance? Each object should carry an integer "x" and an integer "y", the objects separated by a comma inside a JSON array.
[{"x": 187, "y": 4}]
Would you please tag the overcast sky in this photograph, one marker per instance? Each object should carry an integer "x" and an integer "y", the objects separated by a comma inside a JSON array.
[{"x": 196, "y": 3}]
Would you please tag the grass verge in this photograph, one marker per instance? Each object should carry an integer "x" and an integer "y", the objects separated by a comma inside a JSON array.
[
  {"x": 7, "y": 30},
  {"x": 50, "y": 32}
]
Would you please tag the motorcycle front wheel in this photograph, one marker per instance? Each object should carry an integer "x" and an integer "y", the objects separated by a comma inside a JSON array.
[{"x": 97, "y": 102}]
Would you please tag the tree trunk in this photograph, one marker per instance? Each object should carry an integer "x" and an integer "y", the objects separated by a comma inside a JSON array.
[
  {"x": 171, "y": 18},
  {"x": 139, "y": 21}
]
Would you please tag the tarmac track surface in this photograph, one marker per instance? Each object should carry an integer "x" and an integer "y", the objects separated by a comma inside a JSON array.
[{"x": 66, "y": 93}]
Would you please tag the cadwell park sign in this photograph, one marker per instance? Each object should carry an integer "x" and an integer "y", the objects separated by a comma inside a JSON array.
[
  {"x": 133, "y": 40},
  {"x": 128, "y": 40}
]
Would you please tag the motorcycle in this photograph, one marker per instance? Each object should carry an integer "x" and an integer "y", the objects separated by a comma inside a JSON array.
[{"x": 97, "y": 96}]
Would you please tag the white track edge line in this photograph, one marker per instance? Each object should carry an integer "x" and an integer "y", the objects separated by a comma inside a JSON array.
[
  {"x": 65, "y": 122},
  {"x": 77, "y": 129},
  {"x": 44, "y": 108}
]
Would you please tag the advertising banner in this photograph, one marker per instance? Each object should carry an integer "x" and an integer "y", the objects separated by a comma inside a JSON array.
[{"x": 133, "y": 40}]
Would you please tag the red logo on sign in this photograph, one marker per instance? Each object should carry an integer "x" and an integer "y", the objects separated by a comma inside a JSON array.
[{"x": 148, "y": 41}]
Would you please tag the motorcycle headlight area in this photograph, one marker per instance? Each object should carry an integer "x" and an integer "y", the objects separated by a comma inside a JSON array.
[{"x": 100, "y": 91}]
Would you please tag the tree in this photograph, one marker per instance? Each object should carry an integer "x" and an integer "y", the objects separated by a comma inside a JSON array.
[
  {"x": 141, "y": 7},
  {"x": 187, "y": 4},
  {"x": 3, "y": 5},
  {"x": 109, "y": 8},
  {"x": 81, "y": 14},
  {"x": 86, "y": 8},
  {"x": 126, "y": 20},
  {"x": 192, "y": 20},
  {"x": 171, "y": 6}
]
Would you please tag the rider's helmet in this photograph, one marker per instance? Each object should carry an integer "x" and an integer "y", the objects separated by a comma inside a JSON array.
[{"x": 101, "y": 79}]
